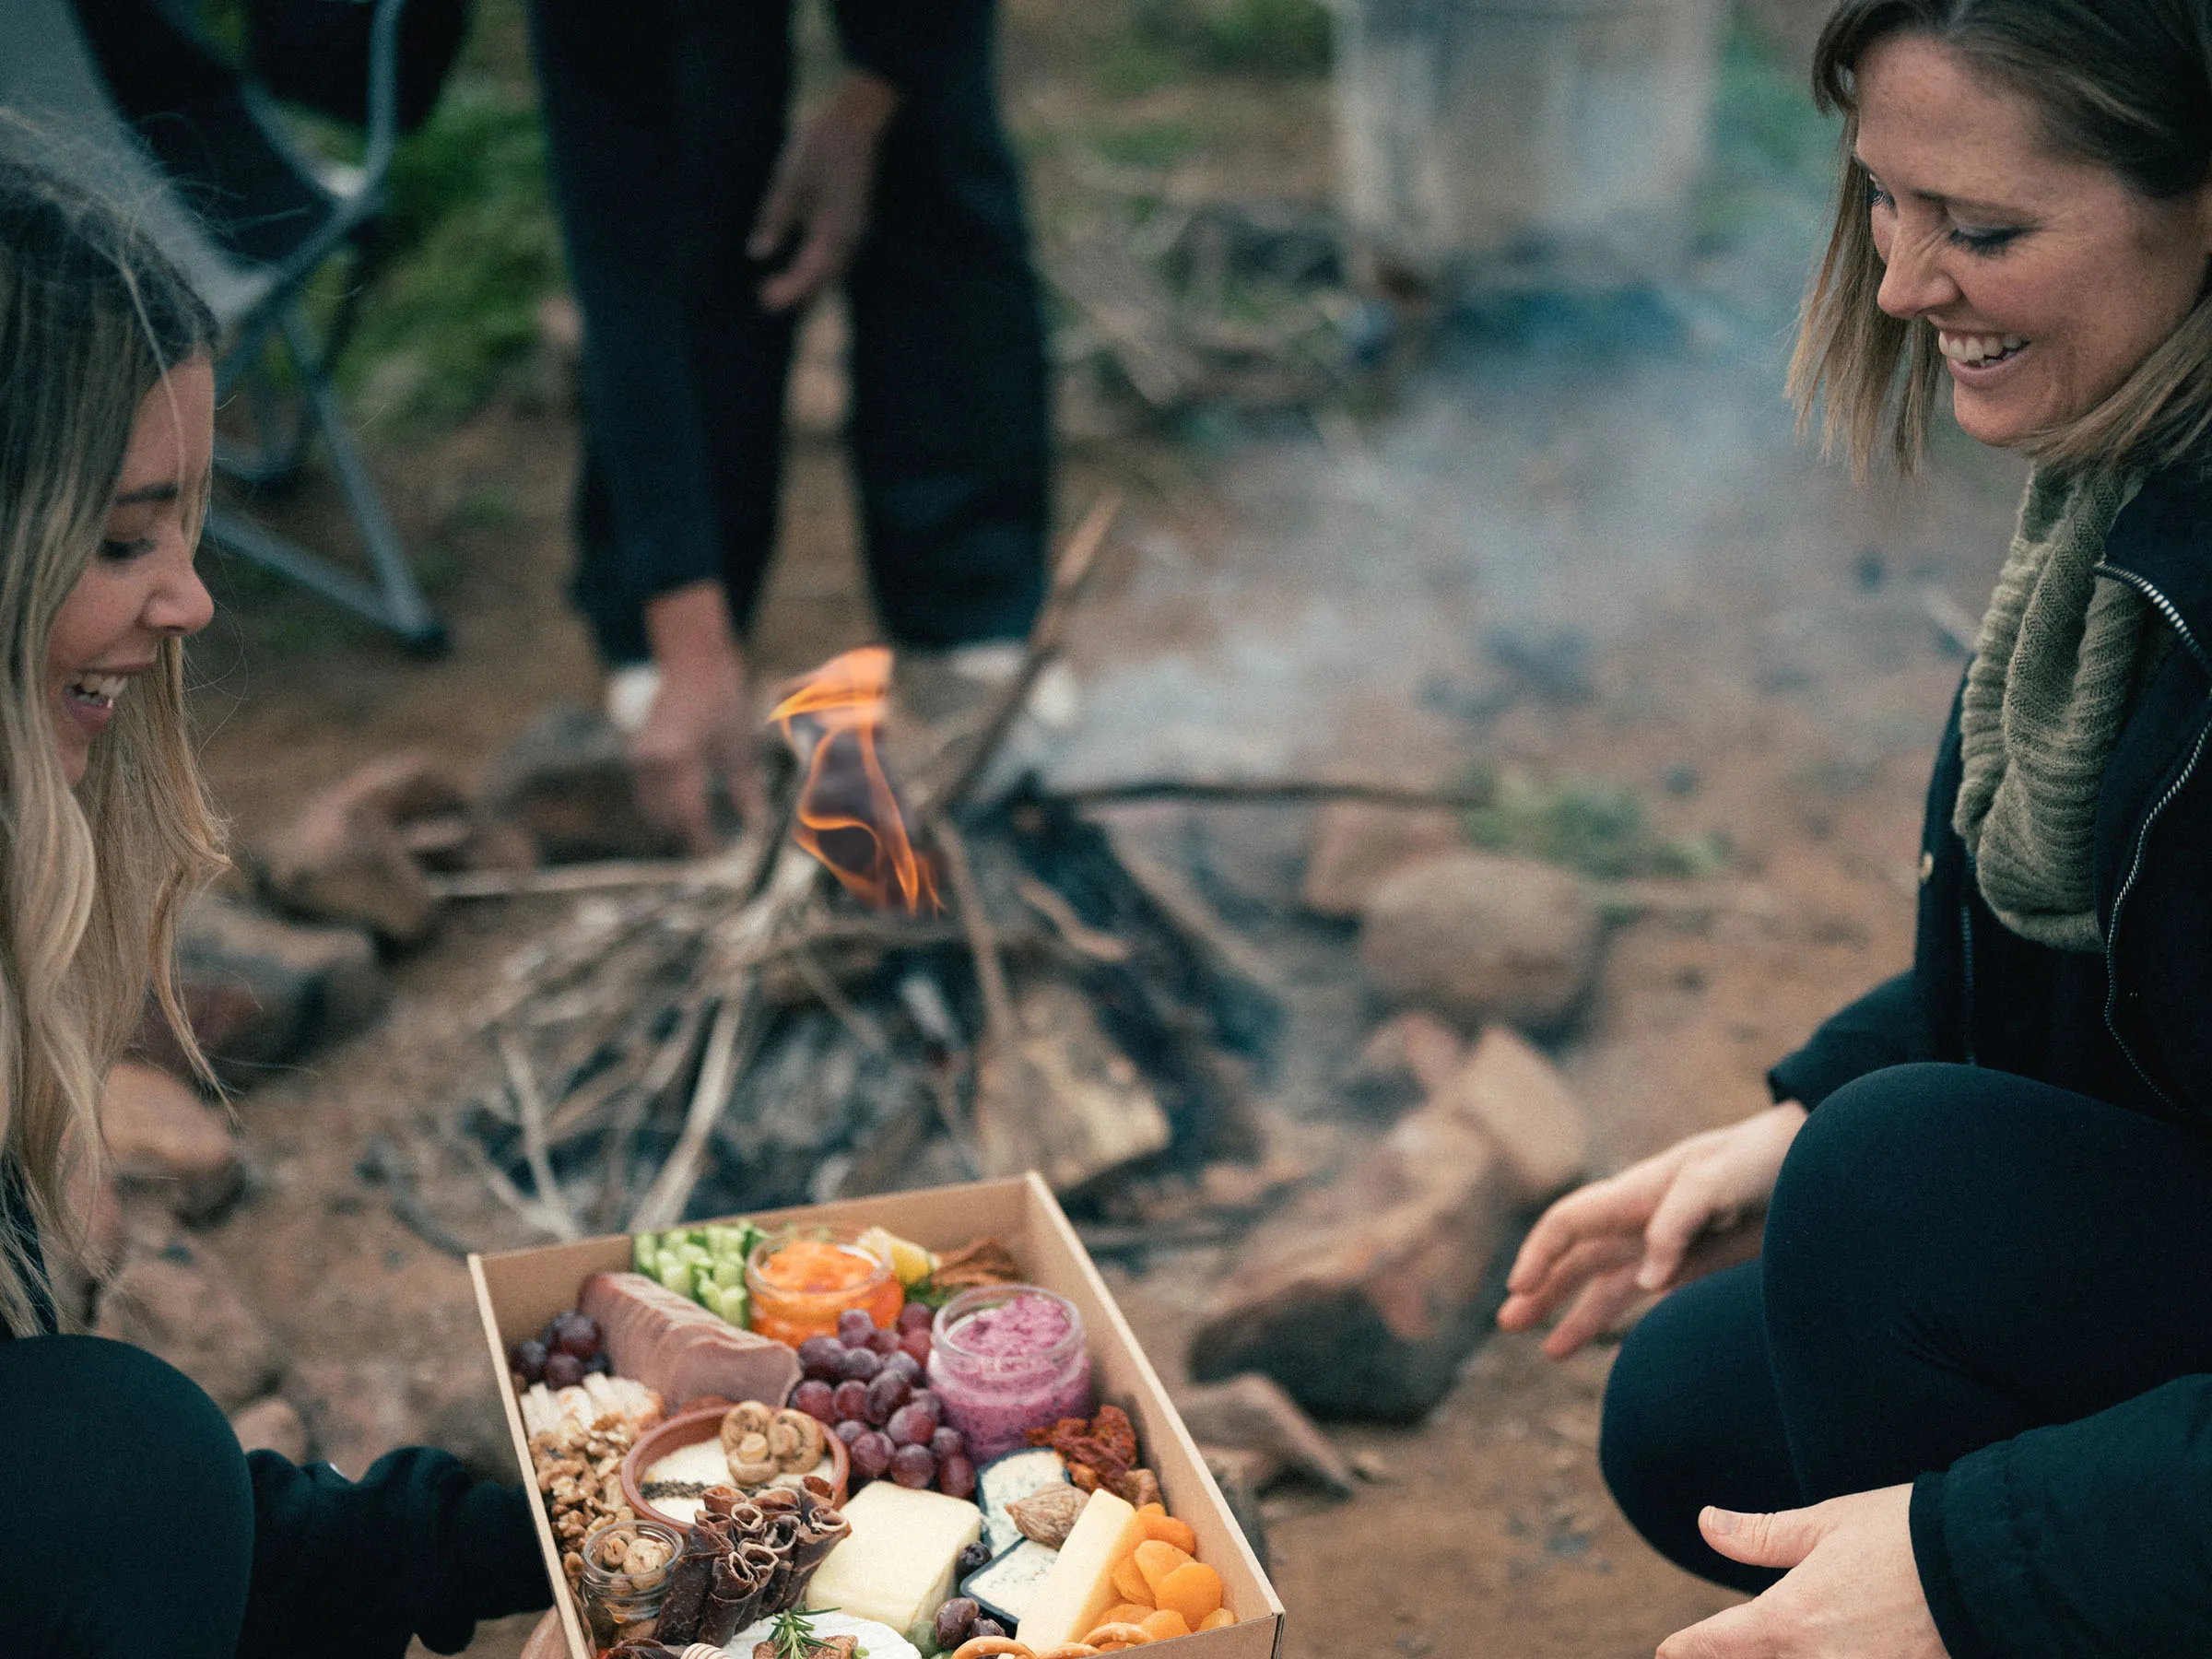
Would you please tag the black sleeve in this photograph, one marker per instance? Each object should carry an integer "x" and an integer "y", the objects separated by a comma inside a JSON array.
[
  {"x": 2092, "y": 1540},
  {"x": 1883, "y": 1027},
  {"x": 910, "y": 43},
  {"x": 417, "y": 1547}
]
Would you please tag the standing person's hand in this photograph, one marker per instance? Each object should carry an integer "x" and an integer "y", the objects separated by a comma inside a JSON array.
[
  {"x": 1851, "y": 1590},
  {"x": 821, "y": 189},
  {"x": 700, "y": 729},
  {"x": 1696, "y": 1207}
]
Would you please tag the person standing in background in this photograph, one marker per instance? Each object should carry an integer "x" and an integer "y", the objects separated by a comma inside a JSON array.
[{"x": 699, "y": 225}]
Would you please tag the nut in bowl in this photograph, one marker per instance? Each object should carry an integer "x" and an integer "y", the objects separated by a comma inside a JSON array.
[{"x": 750, "y": 1446}]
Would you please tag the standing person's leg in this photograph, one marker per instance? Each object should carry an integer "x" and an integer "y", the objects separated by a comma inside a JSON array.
[
  {"x": 1690, "y": 1418},
  {"x": 736, "y": 101},
  {"x": 1955, "y": 1255},
  {"x": 609, "y": 78},
  {"x": 129, "y": 1517},
  {"x": 951, "y": 437}
]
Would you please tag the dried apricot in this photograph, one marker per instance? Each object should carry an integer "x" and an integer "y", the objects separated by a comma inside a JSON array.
[
  {"x": 1165, "y": 1625},
  {"x": 1220, "y": 1618},
  {"x": 1156, "y": 1560},
  {"x": 1151, "y": 1508},
  {"x": 1127, "y": 1613},
  {"x": 1168, "y": 1530},
  {"x": 1192, "y": 1591},
  {"x": 1129, "y": 1579}
]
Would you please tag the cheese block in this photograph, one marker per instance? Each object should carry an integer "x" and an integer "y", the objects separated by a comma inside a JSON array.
[
  {"x": 898, "y": 1566},
  {"x": 1005, "y": 1587},
  {"x": 1010, "y": 1479},
  {"x": 1080, "y": 1585}
]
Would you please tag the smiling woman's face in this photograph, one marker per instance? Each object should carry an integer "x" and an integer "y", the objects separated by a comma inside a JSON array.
[
  {"x": 140, "y": 588},
  {"x": 2047, "y": 280}
]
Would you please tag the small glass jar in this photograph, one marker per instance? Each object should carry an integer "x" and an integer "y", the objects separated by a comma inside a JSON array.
[
  {"x": 800, "y": 1279},
  {"x": 1006, "y": 1358},
  {"x": 625, "y": 1576}
]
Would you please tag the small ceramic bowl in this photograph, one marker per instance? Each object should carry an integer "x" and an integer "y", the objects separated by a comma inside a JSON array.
[{"x": 689, "y": 1430}]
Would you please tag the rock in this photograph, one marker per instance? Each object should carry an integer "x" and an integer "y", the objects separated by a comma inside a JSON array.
[
  {"x": 271, "y": 1425},
  {"x": 1066, "y": 1102},
  {"x": 260, "y": 992},
  {"x": 1405, "y": 1060},
  {"x": 1362, "y": 1298},
  {"x": 1358, "y": 846},
  {"x": 178, "y": 1303},
  {"x": 1523, "y": 1103},
  {"x": 357, "y": 1411},
  {"x": 1477, "y": 937},
  {"x": 1252, "y": 1413},
  {"x": 344, "y": 858},
  {"x": 168, "y": 1144},
  {"x": 566, "y": 780}
]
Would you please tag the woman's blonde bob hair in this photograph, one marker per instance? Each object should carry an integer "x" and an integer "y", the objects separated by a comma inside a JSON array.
[
  {"x": 92, "y": 318},
  {"x": 2121, "y": 84}
]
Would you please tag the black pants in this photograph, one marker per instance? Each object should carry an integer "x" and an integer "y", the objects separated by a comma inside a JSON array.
[
  {"x": 665, "y": 119},
  {"x": 129, "y": 1516},
  {"x": 1953, "y": 1256}
]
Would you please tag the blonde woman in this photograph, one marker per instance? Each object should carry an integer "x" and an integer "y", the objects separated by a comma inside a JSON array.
[
  {"x": 1935, "y": 1371},
  {"x": 133, "y": 1523}
]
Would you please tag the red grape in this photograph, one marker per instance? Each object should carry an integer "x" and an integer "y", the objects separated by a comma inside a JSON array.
[
  {"x": 884, "y": 1342},
  {"x": 915, "y": 1345},
  {"x": 822, "y": 1356},
  {"x": 853, "y": 1325},
  {"x": 816, "y": 1399},
  {"x": 913, "y": 1426},
  {"x": 904, "y": 1364},
  {"x": 563, "y": 1371},
  {"x": 916, "y": 1316},
  {"x": 851, "y": 1429},
  {"x": 529, "y": 1359},
  {"x": 861, "y": 1364},
  {"x": 871, "y": 1453},
  {"x": 913, "y": 1466},
  {"x": 953, "y": 1620},
  {"x": 579, "y": 1335},
  {"x": 948, "y": 1441},
  {"x": 886, "y": 1394},
  {"x": 851, "y": 1399},
  {"x": 955, "y": 1477}
]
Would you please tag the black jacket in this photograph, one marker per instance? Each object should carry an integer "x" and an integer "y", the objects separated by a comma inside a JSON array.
[
  {"x": 353, "y": 1568},
  {"x": 2089, "y": 1540}
]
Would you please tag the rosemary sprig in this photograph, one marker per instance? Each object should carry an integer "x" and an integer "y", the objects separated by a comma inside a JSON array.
[{"x": 793, "y": 1632}]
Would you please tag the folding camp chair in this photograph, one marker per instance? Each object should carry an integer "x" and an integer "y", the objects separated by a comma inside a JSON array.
[{"x": 249, "y": 218}]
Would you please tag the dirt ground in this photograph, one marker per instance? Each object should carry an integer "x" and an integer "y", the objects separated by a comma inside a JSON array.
[{"x": 1283, "y": 594}]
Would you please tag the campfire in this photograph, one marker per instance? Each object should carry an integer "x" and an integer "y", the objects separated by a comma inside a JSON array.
[{"x": 890, "y": 980}]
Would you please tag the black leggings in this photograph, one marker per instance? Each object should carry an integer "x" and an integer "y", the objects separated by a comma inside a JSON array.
[
  {"x": 128, "y": 1523},
  {"x": 1953, "y": 1256}
]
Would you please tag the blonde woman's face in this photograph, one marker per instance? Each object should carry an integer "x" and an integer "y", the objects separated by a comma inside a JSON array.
[
  {"x": 140, "y": 588},
  {"x": 2048, "y": 280}
]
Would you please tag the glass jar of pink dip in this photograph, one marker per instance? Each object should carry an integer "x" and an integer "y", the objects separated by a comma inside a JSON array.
[{"x": 1006, "y": 1358}]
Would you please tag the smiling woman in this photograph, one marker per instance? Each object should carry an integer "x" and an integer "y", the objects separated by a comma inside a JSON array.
[
  {"x": 133, "y": 1523},
  {"x": 1934, "y": 1370}
]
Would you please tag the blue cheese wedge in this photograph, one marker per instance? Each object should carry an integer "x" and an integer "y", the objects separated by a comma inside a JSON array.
[
  {"x": 898, "y": 1566},
  {"x": 1005, "y": 1587},
  {"x": 1008, "y": 1479}
]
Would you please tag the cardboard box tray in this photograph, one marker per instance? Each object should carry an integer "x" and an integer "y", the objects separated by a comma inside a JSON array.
[{"x": 518, "y": 1290}]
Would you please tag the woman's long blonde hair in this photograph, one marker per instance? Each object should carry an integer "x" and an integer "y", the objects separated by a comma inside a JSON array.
[
  {"x": 2122, "y": 84},
  {"x": 92, "y": 880}
]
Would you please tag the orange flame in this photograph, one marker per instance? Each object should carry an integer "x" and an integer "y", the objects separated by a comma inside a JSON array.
[{"x": 848, "y": 813}]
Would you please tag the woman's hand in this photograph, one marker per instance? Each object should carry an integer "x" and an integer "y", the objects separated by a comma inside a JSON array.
[
  {"x": 1696, "y": 1207},
  {"x": 821, "y": 190},
  {"x": 1851, "y": 1590}
]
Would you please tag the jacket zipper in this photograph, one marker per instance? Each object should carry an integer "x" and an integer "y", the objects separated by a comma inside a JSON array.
[{"x": 2165, "y": 608}]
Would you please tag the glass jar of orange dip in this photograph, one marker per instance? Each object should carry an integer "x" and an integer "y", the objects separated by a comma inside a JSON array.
[{"x": 803, "y": 1278}]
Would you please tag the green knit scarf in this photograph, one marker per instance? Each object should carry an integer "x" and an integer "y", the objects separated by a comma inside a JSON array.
[{"x": 2051, "y": 682}]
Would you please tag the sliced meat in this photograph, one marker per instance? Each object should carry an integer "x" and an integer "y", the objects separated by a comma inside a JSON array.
[{"x": 679, "y": 1348}]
